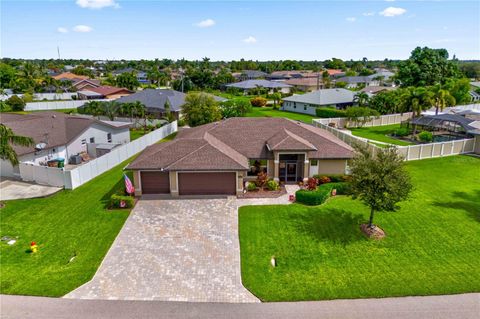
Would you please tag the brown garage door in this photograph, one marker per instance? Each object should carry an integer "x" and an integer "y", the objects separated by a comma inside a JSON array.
[
  {"x": 155, "y": 182},
  {"x": 207, "y": 183}
]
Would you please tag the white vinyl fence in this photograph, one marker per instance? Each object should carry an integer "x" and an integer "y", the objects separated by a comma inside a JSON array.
[
  {"x": 411, "y": 152},
  {"x": 71, "y": 179},
  {"x": 56, "y": 105},
  {"x": 380, "y": 121},
  {"x": 44, "y": 96}
]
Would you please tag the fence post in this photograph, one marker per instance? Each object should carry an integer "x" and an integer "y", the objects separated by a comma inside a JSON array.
[
  {"x": 441, "y": 149},
  {"x": 420, "y": 152},
  {"x": 408, "y": 153}
]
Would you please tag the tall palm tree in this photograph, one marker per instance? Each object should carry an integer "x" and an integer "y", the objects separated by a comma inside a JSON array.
[
  {"x": 7, "y": 140},
  {"x": 442, "y": 98},
  {"x": 361, "y": 98}
]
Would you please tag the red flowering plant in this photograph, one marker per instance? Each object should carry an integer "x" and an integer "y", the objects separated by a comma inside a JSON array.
[
  {"x": 324, "y": 180},
  {"x": 311, "y": 184},
  {"x": 262, "y": 179}
]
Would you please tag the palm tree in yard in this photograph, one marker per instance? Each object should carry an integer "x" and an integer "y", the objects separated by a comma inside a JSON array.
[
  {"x": 442, "y": 98},
  {"x": 361, "y": 98},
  {"x": 417, "y": 100},
  {"x": 7, "y": 140}
]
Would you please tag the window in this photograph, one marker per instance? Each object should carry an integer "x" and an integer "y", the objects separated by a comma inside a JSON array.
[
  {"x": 294, "y": 105},
  {"x": 313, "y": 162},
  {"x": 109, "y": 137},
  {"x": 92, "y": 139},
  {"x": 84, "y": 141},
  {"x": 305, "y": 108},
  {"x": 257, "y": 166}
]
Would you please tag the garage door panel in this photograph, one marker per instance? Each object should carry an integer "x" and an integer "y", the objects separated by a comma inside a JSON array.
[
  {"x": 207, "y": 183},
  {"x": 155, "y": 182}
]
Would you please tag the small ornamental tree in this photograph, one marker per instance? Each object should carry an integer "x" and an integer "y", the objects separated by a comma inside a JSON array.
[
  {"x": 200, "y": 108},
  {"x": 379, "y": 181},
  {"x": 16, "y": 103},
  {"x": 360, "y": 115},
  {"x": 258, "y": 101}
]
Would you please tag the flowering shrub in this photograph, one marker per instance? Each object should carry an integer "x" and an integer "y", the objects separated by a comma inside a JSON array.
[
  {"x": 324, "y": 180},
  {"x": 119, "y": 201},
  {"x": 258, "y": 101},
  {"x": 262, "y": 179},
  {"x": 311, "y": 184}
]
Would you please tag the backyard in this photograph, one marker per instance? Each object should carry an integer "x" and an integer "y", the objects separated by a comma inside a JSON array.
[
  {"x": 431, "y": 246},
  {"x": 379, "y": 133},
  {"x": 72, "y": 223},
  {"x": 270, "y": 112}
]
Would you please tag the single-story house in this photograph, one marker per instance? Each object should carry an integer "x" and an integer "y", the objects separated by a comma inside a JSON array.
[
  {"x": 254, "y": 84},
  {"x": 249, "y": 75},
  {"x": 218, "y": 158},
  {"x": 142, "y": 77},
  {"x": 373, "y": 90},
  {"x": 105, "y": 92},
  {"x": 306, "y": 84},
  {"x": 354, "y": 81},
  {"x": 69, "y": 76},
  {"x": 85, "y": 84},
  {"x": 58, "y": 135},
  {"x": 155, "y": 100},
  {"x": 308, "y": 103}
]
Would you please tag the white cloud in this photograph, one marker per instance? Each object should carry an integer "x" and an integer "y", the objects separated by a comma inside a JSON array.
[
  {"x": 82, "y": 28},
  {"x": 392, "y": 12},
  {"x": 351, "y": 19},
  {"x": 250, "y": 40},
  {"x": 206, "y": 23},
  {"x": 62, "y": 30},
  {"x": 97, "y": 4},
  {"x": 368, "y": 14}
]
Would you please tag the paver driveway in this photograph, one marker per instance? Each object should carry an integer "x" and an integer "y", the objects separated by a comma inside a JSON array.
[{"x": 174, "y": 250}]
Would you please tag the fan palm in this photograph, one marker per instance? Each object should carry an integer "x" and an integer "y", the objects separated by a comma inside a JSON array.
[
  {"x": 442, "y": 98},
  {"x": 7, "y": 140}
]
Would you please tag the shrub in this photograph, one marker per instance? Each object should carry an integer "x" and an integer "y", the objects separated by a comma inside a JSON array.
[
  {"x": 403, "y": 131},
  {"x": 258, "y": 101},
  {"x": 181, "y": 122},
  {"x": 15, "y": 103},
  {"x": 324, "y": 180},
  {"x": 315, "y": 197},
  {"x": 251, "y": 187},
  {"x": 341, "y": 187},
  {"x": 262, "y": 179},
  {"x": 311, "y": 183},
  {"x": 334, "y": 178},
  {"x": 117, "y": 201},
  {"x": 272, "y": 185},
  {"x": 329, "y": 112},
  {"x": 425, "y": 136}
]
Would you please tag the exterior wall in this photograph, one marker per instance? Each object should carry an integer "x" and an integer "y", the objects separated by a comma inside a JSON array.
[
  {"x": 299, "y": 107},
  {"x": 116, "y": 96},
  {"x": 137, "y": 183},
  {"x": 173, "y": 183},
  {"x": 7, "y": 170},
  {"x": 477, "y": 145},
  {"x": 44, "y": 155},
  {"x": 271, "y": 168},
  {"x": 240, "y": 176},
  {"x": 99, "y": 133},
  {"x": 332, "y": 166}
]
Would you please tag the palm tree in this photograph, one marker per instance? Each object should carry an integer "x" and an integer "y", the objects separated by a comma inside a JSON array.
[
  {"x": 7, "y": 140},
  {"x": 417, "y": 100},
  {"x": 361, "y": 99},
  {"x": 442, "y": 98}
]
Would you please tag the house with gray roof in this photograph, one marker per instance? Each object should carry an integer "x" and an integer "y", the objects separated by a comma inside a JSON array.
[
  {"x": 59, "y": 136},
  {"x": 308, "y": 103},
  {"x": 255, "y": 84},
  {"x": 156, "y": 99},
  {"x": 250, "y": 75},
  {"x": 218, "y": 158}
]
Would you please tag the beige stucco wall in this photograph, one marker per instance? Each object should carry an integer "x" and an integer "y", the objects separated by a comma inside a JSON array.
[
  {"x": 271, "y": 168},
  {"x": 332, "y": 166},
  {"x": 173, "y": 176},
  {"x": 136, "y": 183},
  {"x": 477, "y": 144}
]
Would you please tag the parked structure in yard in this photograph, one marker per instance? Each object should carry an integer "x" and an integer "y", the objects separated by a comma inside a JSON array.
[
  {"x": 308, "y": 103},
  {"x": 217, "y": 158},
  {"x": 455, "y": 126},
  {"x": 59, "y": 136},
  {"x": 156, "y": 99},
  {"x": 255, "y": 84}
]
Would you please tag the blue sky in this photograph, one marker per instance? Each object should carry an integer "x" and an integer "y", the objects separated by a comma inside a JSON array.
[{"x": 226, "y": 30}]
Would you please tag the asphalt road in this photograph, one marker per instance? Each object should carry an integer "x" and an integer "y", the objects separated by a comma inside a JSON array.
[{"x": 464, "y": 306}]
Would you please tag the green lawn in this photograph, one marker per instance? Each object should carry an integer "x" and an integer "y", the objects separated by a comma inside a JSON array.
[
  {"x": 73, "y": 110},
  {"x": 379, "y": 133},
  {"x": 65, "y": 224},
  {"x": 270, "y": 112},
  {"x": 431, "y": 248},
  {"x": 134, "y": 134}
]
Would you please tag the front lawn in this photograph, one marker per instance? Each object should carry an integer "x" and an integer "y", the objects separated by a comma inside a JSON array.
[
  {"x": 379, "y": 133},
  {"x": 431, "y": 248},
  {"x": 270, "y": 112},
  {"x": 67, "y": 224}
]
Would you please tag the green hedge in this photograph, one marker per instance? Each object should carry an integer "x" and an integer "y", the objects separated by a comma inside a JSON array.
[
  {"x": 335, "y": 178},
  {"x": 328, "y": 112},
  {"x": 116, "y": 199},
  {"x": 321, "y": 194}
]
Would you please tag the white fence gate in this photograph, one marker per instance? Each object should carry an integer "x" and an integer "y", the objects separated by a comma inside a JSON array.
[{"x": 71, "y": 179}]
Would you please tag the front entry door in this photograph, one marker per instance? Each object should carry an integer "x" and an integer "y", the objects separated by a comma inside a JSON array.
[{"x": 291, "y": 173}]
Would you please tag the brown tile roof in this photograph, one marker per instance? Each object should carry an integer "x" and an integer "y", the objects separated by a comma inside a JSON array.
[
  {"x": 109, "y": 90},
  {"x": 304, "y": 81},
  {"x": 69, "y": 76},
  {"x": 228, "y": 144},
  {"x": 53, "y": 128}
]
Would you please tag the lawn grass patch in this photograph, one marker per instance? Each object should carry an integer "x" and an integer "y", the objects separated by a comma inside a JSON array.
[
  {"x": 270, "y": 112},
  {"x": 380, "y": 133},
  {"x": 431, "y": 246}
]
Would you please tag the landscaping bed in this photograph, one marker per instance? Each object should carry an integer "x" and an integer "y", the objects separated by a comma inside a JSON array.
[
  {"x": 430, "y": 248},
  {"x": 264, "y": 193}
]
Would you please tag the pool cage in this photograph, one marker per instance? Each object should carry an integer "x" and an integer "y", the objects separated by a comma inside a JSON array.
[{"x": 455, "y": 126}]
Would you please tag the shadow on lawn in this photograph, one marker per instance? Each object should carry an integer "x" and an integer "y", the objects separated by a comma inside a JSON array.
[
  {"x": 470, "y": 203},
  {"x": 337, "y": 226},
  {"x": 118, "y": 187}
]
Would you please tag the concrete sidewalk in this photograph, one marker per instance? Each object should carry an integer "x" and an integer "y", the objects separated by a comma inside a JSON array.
[
  {"x": 12, "y": 189},
  {"x": 464, "y": 306}
]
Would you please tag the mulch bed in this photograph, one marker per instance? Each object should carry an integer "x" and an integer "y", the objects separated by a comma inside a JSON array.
[
  {"x": 264, "y": 193},
  {"x": 375, "y": 232}
]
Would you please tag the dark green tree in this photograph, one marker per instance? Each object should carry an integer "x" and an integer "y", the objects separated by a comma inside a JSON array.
[
  {"x": 200, "y": 108},
  {"x": 7, "y": 140},
  {"x": 127, "y": 80}
]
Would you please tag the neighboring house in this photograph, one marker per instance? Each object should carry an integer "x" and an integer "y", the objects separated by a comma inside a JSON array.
[
  {"x": 58, "y": 135},
  {"x": 308, "y": 103},
  {"x": 141, "y": 76},
  {"x": 373, "y": 90},
  {"x": 69, "y": 76},
  {"x": 85, "y": 84},
  {"x": 103, "y": 92},
  {"x": 155, "y": 99},
  {"x": 307, "y": 84},
  {"x": 355, "y": 81},
  {"x": 218, "y": 158},
  {"x": 254, "y": 84},
  {"x": 249, "y": 75},
  {"x": 335, "y": 72}
]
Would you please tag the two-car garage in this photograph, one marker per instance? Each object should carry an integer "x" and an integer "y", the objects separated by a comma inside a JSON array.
[{"x": 189, "y": 183}]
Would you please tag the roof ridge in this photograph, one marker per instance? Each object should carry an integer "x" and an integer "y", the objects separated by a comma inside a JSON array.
[
  {"x": 188, "y": 154},
  {"x": 209, "y": 138},
  {"x": 300, "y": 139}
]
